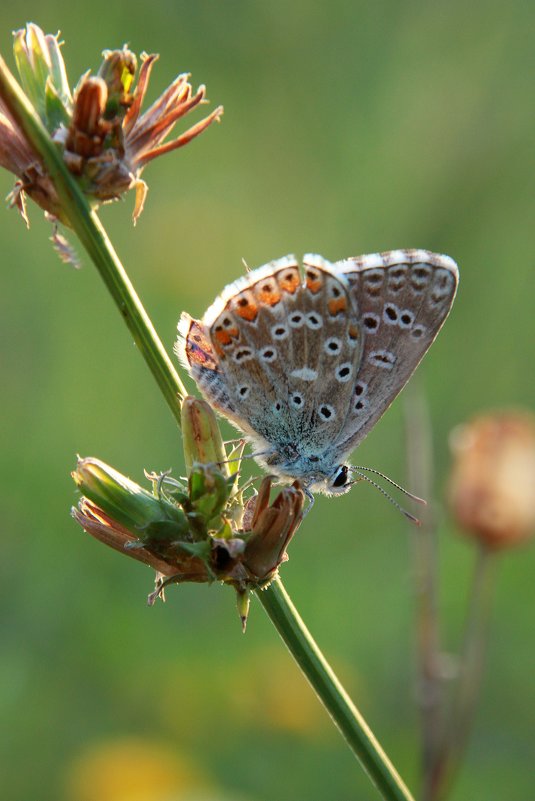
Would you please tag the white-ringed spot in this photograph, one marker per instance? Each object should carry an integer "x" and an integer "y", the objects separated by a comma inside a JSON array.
[
  {"x": 268, "y": 354},
  {"x": 343, "y": 373},
  {"x": 419, "y": 277},
  {"x": 418, "y": 331},
  {"x": 296, "y": 319},
  {"x": 391, "y": 314},
  {"x": 382, "y": 358},
  {"x": 243, "y": 355},
  {"x": 244, "y": 391},
  {"x": 361, "y": 388},
  {"x": 442, "y": 287},
  {"x": 372, "y": 281},
  {"x": 360, "y": 405},
  {"x": 332, "y": 346},
  {"x": 326, "y": 412},
  {"x": 297, "y": 401},
  {"x": 279, "y": 331},
  {"x": 371, "y": 322},
  {"x": 397, "y": 278},
  {"x": 406, "y": 318},
  {"x": 314, "y": 321}
]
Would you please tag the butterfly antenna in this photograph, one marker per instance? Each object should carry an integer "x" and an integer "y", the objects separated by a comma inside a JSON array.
[
  {"x": 403, "y": 511},
  {"x": 393, "y": 483}
]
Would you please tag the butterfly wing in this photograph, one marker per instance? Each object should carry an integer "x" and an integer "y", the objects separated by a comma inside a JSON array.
[
  {"x": 278, "y": 355},
  {"x": 403, "y": 298}
]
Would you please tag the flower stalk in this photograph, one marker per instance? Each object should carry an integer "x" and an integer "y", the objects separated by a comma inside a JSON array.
[
  {"x": 276, "y": 602},
  {"x": 90, "y": 231}
]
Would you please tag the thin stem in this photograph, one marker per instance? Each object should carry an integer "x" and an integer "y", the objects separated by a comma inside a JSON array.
[
  {"x": 92, "y": 235},
  {"x": 471, "y": 667},
  {"x": 275, "y": 600},
  {"x": 338, "y": 704},
  {"x": 424, "y": 557}
]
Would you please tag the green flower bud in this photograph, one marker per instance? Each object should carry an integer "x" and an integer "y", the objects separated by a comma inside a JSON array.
[
  {"x": 140, "y": 512},
  {"x": 118, "y": 71},
  {"x": 202, "y": 439}
]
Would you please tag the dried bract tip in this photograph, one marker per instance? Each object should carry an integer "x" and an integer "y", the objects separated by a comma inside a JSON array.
[
  {"x": 492, "y": 486},
  {"x": 272, "y": 529}
]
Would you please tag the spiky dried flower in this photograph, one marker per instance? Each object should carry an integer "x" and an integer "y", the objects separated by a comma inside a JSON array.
[{"x": 105, "y": 138}]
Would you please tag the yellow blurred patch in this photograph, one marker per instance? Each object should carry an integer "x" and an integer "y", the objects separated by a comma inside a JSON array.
[
  {"x": 132, "y": 769},
  {"x": 272, "y": 692}
]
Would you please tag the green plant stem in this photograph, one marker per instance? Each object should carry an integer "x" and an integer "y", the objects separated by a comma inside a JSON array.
[
  {"x": 338, "y": 704},
  {"x": 275, "y": 600},
  {"x": 86, "y": 224}
]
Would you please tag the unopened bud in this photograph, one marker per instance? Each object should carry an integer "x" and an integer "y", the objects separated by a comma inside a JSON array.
[
  {"x": 492, "y": 487},
  {"x": 201, "y": 436},
  {"x": 118, "y": 71},
  {"x": 143, "y": 514}
]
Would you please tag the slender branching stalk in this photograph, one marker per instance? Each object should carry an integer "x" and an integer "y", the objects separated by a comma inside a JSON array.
[
  {"x": 90, "y": 231},
  {"x": 424, "y": 541},
  {"x": 274, "y": 599},
  {"x": 456, "y": 735}
]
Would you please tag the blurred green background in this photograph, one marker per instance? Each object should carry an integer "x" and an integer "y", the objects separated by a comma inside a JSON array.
[{"x": 349, "y": 127}]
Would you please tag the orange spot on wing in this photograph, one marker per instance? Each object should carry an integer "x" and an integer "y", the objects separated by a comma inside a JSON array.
[
  {"x": 224, "y": 336},
  {"x": 314, "y": 283},
  {"x": 336, "y": 305},
  {"x": 247, "y": 311},
  {"x": 269, "y": 297},
  {"x": 354, "y": 332},
  {"x": 289, "y": 281}
]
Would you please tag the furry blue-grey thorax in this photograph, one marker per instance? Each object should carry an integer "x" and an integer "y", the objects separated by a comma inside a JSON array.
[{"x": 304, "y": 363}]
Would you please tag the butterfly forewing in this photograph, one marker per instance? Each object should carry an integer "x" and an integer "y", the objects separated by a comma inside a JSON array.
[
  {"x": 286, "y": 352},
  {"x": 402, "y": 297}
]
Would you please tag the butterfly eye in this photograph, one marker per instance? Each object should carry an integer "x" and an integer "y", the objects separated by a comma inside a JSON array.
[{"x": 340, "y": 480}]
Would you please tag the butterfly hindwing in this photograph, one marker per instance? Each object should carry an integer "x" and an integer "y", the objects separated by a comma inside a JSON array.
[{"x": 403, "y": 298}]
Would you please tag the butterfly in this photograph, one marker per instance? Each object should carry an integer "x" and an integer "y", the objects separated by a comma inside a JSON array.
[{"x": 305, "y": 361}]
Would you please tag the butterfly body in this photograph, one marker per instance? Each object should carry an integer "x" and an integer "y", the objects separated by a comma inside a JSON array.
[{"x": 305, "y": 362}]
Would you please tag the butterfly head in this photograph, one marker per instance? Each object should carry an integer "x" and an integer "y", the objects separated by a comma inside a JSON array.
[{"x": 337, "y": 483}]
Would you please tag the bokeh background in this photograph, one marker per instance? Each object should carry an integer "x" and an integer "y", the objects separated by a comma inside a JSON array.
[{"x": 349, "y": 127}]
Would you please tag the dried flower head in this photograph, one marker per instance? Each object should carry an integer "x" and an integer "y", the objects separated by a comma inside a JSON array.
[
  {"x": 196, "y": 531},
  {"x": 105, "y": 138},
  {"x": 492, "y": 487}
]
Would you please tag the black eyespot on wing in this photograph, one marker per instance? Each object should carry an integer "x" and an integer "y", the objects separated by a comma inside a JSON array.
[{"x": 371, "y": 323}]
